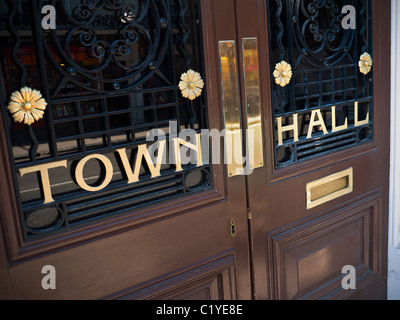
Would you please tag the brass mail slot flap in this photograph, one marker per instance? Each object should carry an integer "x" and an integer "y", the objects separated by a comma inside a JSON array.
[{"x": 329, "y": 188}]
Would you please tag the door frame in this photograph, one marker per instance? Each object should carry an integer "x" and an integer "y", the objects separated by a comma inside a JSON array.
[{"x": 394, "y": 200}]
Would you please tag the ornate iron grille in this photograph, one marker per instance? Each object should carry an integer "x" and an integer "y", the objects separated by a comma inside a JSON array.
[
  {"x": 109, "y": 73},
  {"x": 324, "y": 56}
]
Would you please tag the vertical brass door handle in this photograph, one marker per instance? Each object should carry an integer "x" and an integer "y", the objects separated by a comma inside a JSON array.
[
  {"x": 231, "y": 107},
  {"x": 254, "y": 155},
  {"x": 254, "y": 136}
]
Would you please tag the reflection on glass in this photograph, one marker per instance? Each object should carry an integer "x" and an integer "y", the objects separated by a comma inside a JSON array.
[
  {"x": 230, "y": 101},
  {"x": 252, "y": 96}
]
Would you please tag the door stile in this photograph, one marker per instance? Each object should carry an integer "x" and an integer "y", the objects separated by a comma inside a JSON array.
[
  {"x": 223, "y": 18},
  {"x": 251, "y": 24}
]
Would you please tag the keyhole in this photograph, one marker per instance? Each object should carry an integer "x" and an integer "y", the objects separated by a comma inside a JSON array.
[{"x": 233, "y": 228}]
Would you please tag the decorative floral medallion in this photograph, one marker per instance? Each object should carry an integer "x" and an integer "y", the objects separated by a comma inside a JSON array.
[
  {"x": 365, "y": 63},
  {"x": 191, "y": 85},
  {"x": 27, "y": 105},
  {"x": 283, "y": 73}
]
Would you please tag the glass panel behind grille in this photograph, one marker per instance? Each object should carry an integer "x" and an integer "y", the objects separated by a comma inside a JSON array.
[
  {"x": 324, "y": 56},
  {"x": 109, "y": 73}
]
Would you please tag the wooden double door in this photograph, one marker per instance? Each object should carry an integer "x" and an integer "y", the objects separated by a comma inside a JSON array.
[{"x": 311, "y": 198}]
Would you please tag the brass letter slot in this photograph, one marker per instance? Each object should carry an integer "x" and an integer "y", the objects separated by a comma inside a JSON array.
[{"x": 329, "y": 188}]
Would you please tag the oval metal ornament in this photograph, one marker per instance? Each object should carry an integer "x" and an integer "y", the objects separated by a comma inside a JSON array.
[{"x": 365, "y": 63}]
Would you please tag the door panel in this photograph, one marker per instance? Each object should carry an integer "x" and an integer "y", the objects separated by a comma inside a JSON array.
[
  {"x": 210, "y": 280},
  {"x": 299, "y": 253},
  {"x": 308, "y": 259},
  {"x": 167, "y": 236},
  {"x": 126, "y": 261}
]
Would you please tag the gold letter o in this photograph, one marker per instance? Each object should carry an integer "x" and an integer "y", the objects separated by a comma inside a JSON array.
[{"x": 107, "y": 179}]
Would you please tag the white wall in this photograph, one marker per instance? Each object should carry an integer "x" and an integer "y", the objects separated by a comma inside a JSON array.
[{"x": 394, "y": 223}]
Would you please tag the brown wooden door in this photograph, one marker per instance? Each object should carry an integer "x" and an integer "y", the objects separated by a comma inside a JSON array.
[
  {"x": 204, "y": 232},
  {"x": 305, "y": 226},
  {"x": 181, "y": 235}
]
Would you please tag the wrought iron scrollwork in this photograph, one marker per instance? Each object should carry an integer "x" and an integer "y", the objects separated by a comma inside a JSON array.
[
  {"x": 329, "y": 76},
  {"x": 109, "y": 31},
  {"x": 24, "y": 72},
  {"x": 319, "y": 35}
]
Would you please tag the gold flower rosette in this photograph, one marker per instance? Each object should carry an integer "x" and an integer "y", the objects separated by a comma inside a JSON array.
[
  {"x": 191, "y": 85},
  {"x": 27, "y": 106},
  {"x": 283, "y": 73},
  {"x": 365, "y": 63}
]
